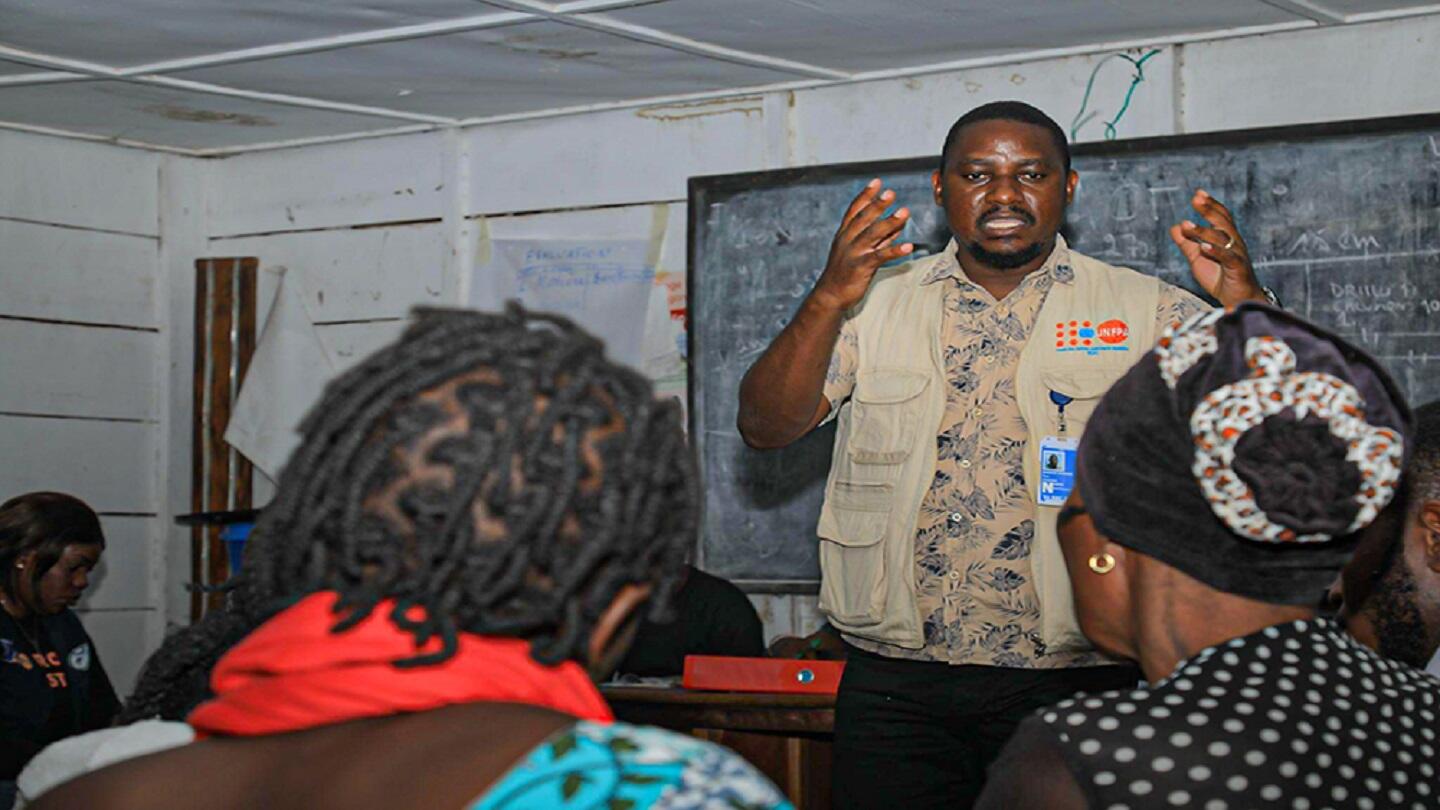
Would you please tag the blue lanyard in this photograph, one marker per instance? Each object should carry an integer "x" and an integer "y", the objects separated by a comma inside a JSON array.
[{"x": 1060, "y": 401}]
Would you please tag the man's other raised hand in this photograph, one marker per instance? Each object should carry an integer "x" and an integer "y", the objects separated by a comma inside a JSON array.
[
  {"x": 1218, "y": 256},
  {"x": 864, "y": 242}
]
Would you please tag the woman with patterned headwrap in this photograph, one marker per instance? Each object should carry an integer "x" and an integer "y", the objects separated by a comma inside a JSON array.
[{"x": 1221, "y": 486}]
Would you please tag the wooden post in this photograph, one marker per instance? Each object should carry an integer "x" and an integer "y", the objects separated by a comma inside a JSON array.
[{"x": 225, "y": 292}]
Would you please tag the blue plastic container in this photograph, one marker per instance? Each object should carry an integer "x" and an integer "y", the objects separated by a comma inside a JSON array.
[{"x": 235, "y": 535}]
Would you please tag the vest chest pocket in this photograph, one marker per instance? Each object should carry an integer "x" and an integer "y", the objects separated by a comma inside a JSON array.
[
  {"x": 852, "y": 590},
  {"x": 885, "y": 415},
  {"x": 1084, "y": 386}
]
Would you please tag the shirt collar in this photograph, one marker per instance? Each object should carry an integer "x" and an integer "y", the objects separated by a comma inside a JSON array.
[
  {"x": 1057, "y": 266},
  {"x": 1298, "y": 628}
]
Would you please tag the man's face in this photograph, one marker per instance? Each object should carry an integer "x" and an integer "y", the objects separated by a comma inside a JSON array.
[
  {"x": 1406, "y": 604},
  {"x": 1392, "y": 601},
  {"x": 1004, "y": 191}
]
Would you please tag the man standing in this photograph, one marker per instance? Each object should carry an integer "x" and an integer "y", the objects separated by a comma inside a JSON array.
[
  {"x": 1391, "y": 589},
  {"x": 958, "y": 417}
]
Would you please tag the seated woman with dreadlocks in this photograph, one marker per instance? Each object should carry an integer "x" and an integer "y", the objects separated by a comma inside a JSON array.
[{"x": 460, "y": 546}]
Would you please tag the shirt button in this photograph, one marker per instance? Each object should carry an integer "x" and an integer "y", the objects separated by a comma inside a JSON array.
[
  {"x": 977, "y": 412},
  {"x": 965, "y": 463},
  {"x": 956, "y": 517},
  {"x": 989, "y": 358},
  {"x": 954, "y": 575}
]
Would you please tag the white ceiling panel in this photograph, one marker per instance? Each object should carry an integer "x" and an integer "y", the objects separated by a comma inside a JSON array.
[
  {"x": 1370, "y": 6},
  {"x": 169, "y": 117},
  {"x": 519, "y": 68},
  {"x": 353, "y": 67},
  {"x": 10, "y": 68},
  {"x": 868, "y": 35},
  {"x": 128, "y": 32}
]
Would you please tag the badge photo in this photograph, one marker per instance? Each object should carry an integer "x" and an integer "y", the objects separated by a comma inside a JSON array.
[{"x": 1057, "y": 469}]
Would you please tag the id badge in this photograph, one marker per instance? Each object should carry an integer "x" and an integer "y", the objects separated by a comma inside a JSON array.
[{"x": 1057, "y": 469}]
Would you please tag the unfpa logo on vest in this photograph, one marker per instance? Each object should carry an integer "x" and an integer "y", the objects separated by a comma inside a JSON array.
[{"x": 1090, "y": 338}]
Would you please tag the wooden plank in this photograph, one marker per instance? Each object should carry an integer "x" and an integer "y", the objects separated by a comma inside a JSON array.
[
  {"x": 688, "y": 697},
  {"x": 122, "y": 581},
  {"x": 245, "y": 350},
  {"x": 77, "y": 275},
  {"x": 396, "y": 179},
  {"x": 749, "y": 718},
  {"x": 910, "y": 117},
  {"x": 221, "y": 393},
  {"x": 225, "y": 334},
  {"x": 553, "y": 163},
  {"x": 617, "y": 222},
  {"x": 122, "y": 639},
  {"x": 183, "y": 185},
  {"x": 734, "y": 711},
  {"x": 349, "y": 343},
  {"x": 817, "y": 764},
  {"x": 88, "y": 185},
  {"x": 786, "y": 737},
  {"x": 106, "y": 464},
  {"x": 197, "y": 433},
  {"x": 777, "y": 615},
  {"x": 795, "y": 770},
  {"x": 1336, "y": 65},
  {"x": 65, "y": 370},
  {"x": 354, "y": 274}
]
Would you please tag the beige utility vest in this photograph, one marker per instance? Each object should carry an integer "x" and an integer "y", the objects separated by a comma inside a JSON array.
[{"x": 885, "y": 447}]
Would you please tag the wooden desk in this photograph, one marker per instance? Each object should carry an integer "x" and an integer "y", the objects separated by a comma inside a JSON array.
[{"x": 787, "y": 737}]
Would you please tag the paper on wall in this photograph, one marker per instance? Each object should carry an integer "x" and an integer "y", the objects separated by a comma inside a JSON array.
[
  {"x": 661, "y": 349},
  {"x": 602, "y": 285},
  {"x": 287, "y": 374}
]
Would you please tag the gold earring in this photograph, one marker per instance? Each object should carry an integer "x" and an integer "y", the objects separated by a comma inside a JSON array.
[{"x": 1102, "y": 563}]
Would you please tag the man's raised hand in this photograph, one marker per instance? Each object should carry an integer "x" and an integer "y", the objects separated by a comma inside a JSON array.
[
  {"x": 863, "y": 243},
  {"x": 1218, "y": 257}
]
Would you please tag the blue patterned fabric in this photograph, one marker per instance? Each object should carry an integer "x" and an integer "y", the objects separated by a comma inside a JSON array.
[{"x": 624, "y": 767}]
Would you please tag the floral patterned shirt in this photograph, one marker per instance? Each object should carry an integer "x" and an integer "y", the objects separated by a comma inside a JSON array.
[
  {"x": 623, "y": 767},
  {"x": 972, "y": 540}
]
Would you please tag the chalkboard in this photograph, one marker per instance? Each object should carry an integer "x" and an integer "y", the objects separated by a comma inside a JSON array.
[{"x": 1342, "y": 220}]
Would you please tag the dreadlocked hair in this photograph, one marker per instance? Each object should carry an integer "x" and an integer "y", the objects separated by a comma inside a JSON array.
[
  {"x": 490, "y": 473},
  {"x": 176, "y": 677}
]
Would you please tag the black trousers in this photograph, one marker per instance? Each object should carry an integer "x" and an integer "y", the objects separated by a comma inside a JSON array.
[{"x": 918, "y": 734}]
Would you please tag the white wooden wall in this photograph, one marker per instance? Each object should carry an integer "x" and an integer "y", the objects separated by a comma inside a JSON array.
[
  {"x": 82, "y": 330},
  {"x": 373, "y": 227},
  {"x": 597, "y": 174}
]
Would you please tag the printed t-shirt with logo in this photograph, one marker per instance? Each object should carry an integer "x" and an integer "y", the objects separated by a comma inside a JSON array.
[{"x": 50, "y": 692}]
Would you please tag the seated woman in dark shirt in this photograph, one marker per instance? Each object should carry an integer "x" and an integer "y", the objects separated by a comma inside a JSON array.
[
  {"x": 1221, "y": 487},
  {"x": 711, "y": 617},
  {"x": 51, "y": 682}
]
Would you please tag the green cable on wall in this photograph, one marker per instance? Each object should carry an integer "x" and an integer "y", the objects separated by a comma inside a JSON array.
[{"x": 1135, "y": 81}]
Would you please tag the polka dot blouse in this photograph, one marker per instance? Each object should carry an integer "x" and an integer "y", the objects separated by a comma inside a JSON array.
[{"x": 1299, "y": 716}]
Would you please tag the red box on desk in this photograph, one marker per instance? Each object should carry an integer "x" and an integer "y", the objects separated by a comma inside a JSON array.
[{"x": 729, "y": 674}]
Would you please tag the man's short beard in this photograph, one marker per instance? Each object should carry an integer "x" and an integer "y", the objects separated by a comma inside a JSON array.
[
  {"x": 1005, "y": 261},
  {"x": 1396, "y": 616}
]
